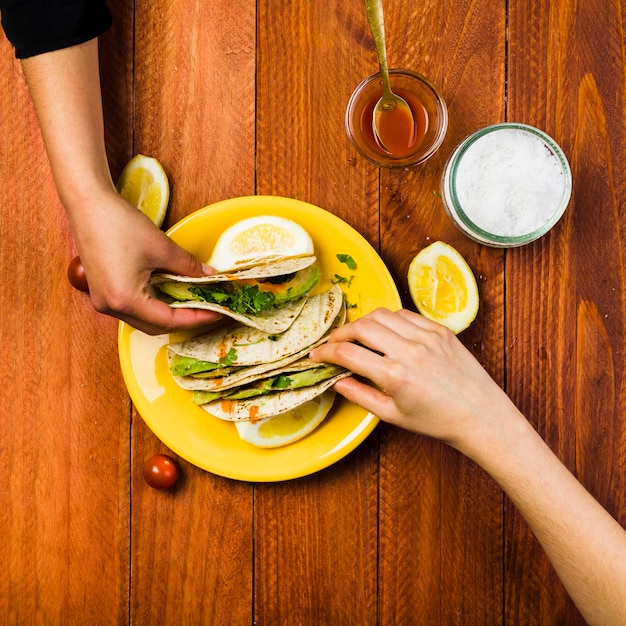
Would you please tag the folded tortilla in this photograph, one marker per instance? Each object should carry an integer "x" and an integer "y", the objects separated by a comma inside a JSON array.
[
  {"x": 301, "y": 373},
  {"x": 255, "y": 296},
  {"x": 268, "y": 405},
  {"x": 237, "y": 355}
]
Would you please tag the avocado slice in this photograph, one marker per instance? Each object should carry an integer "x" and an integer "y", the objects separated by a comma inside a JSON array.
[
  {"x": 188, "y": 366},
  {"x": 179, "y": 291},
  {"x": 298, "y": 286}
]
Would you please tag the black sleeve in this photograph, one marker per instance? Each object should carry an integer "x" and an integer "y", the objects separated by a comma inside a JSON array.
[{"x": 37, "y": 26}]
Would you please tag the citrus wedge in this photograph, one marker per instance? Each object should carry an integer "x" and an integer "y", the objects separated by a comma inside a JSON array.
[
  {"x": 144, "y": 184},
  {"x": 443, "y": 286},
  {"x": 259, "y": 239},
  {"x": 280, "y": 430}
]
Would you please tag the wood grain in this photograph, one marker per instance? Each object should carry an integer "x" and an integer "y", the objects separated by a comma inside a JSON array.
[
  {"x": 249, "y": 97},
  {"x": 441, "y": 519},
  {"x": 321, "y": 531},
  {"x": 307, "y": 69},
  {"x": 568, "y": 372},
  {"x": 194, "y": 95},
  {"x": 65, "y": 423}
]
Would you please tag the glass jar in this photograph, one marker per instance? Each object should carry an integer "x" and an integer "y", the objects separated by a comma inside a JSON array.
[
  {"x": 429, "y": 112},
  {"x": 506, "y": 185}
]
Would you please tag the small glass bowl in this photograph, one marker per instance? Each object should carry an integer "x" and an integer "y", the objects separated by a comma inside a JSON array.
[
  {"x": 506, "y": 185},
  {"x": 416, "y": 90}
]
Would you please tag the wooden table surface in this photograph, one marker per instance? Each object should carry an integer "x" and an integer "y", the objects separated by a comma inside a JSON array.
[{"x": 248, "y": 98}]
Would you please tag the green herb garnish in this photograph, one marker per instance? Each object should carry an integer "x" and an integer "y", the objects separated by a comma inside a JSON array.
[
  {"x": 245, "y": 299},
  {"x": 229, "y": 359},
  {"x": 348, "y": 260},
  {"x": 338, "y": 279},
  {"x": 281, "y": 382}
]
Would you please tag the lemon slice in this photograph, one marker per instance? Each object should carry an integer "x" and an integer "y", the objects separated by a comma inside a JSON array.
[
  {"x": 259, "y": 239},
  {"x": 144, "y": 184},
  {"x": 443, "y": 286},
  {"x": 280, "y": 430}
]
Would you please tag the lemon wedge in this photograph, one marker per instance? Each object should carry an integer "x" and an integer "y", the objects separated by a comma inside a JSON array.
[
  {"x": 443, "y": 286},
  {"x": 259, "y": 239},
  {"x": 144, "y": 184},
  {"x": 280, "y": 430}
]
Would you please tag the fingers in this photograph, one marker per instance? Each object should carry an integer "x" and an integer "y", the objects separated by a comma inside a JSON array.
[
  {"x": 385, "y": 347},
  {"x": 181, "y": 262},
  {"x": 368, "y": 397},
  {"x": 154, "y": 317},
  {"x": 172, "y": 320},
  {"x": 353, "y": 357},
  {"x": 382, "y": 331},
  {"x": 378, "y": 331},
  {"x": 406, "y": 324}
]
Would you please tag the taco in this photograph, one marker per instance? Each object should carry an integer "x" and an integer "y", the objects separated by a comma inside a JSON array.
[
  {"x": 268, "y": 297},
  {"x": 236, "y": 372},
  {"x": 235, "y": 354}
]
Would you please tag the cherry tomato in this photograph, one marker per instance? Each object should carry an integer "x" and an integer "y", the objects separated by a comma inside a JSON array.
[
  {"x": 76, "y": 275},
  {"x": 160, "y": 471}
]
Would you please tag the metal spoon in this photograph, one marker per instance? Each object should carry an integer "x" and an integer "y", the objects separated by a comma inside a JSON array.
[{"x": 391, "y": 110}]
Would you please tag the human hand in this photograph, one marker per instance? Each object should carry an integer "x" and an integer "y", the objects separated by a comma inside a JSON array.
[
  {"x": 426, "y": 380},
  {"x": 120, "y": 248}
]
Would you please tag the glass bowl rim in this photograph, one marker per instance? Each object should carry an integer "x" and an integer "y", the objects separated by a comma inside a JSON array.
[
  {"x": 454, "y": 206},
  {"x": 442, "y": 119}
]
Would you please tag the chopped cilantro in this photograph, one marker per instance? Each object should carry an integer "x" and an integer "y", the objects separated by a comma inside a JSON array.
[
  {"x": 229, "y": 359},
  {"x": 348, "y": 260},
  {"x": 342, "y": 279},
  {"x": 281, "y": 382},
  {"x": 246, "y": 299},
  {"x": 346, "y": 303}
]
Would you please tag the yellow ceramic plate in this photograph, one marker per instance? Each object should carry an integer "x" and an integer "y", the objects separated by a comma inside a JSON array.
[{"x": 213, "y": 444}]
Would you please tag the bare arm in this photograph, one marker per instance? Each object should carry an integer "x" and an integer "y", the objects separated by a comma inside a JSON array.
[
  {"x": 118, "y": 245},
  {"x": 434, "y": 386}
]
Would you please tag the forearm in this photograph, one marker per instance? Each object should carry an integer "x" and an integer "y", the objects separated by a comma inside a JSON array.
[
  {"x": 586, "y": 546},
  {"x": 65, "y": 89}
]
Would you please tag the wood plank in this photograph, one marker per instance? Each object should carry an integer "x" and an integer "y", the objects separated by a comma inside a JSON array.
[
  {"x": 315, "y": 545},
  {"x": 567, "y": 376},
  {"x": 191, "y": 545},
  {"x": 194, "y": 111},
  {"x": 307, "y": 69},
  {"x": 64, "y": 441},
  {"x": 194, "y": 106},
  {"x": 440, "y": 516},
  {"x": 315, "y": 538}
]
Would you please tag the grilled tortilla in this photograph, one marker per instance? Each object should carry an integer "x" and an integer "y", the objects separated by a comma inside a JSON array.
[
  {"x": 236, "y": 354},
  {"x": 273, "y": 402},
  {"x": 268, "y": 297}
]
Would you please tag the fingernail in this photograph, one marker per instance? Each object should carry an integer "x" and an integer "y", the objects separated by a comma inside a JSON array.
[{"x": 207, "y": 269}]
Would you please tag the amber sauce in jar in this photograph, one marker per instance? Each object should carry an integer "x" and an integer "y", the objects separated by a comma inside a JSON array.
[{"x": 395, "y": 137}]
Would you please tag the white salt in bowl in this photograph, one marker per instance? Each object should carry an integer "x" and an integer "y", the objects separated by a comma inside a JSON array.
[{"x": 506, "y": 185}]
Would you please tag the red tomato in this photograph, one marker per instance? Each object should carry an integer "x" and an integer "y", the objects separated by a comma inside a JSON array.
[
  {"x": 76, "y": 275},
  {"x": 160, "y": 471}
]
